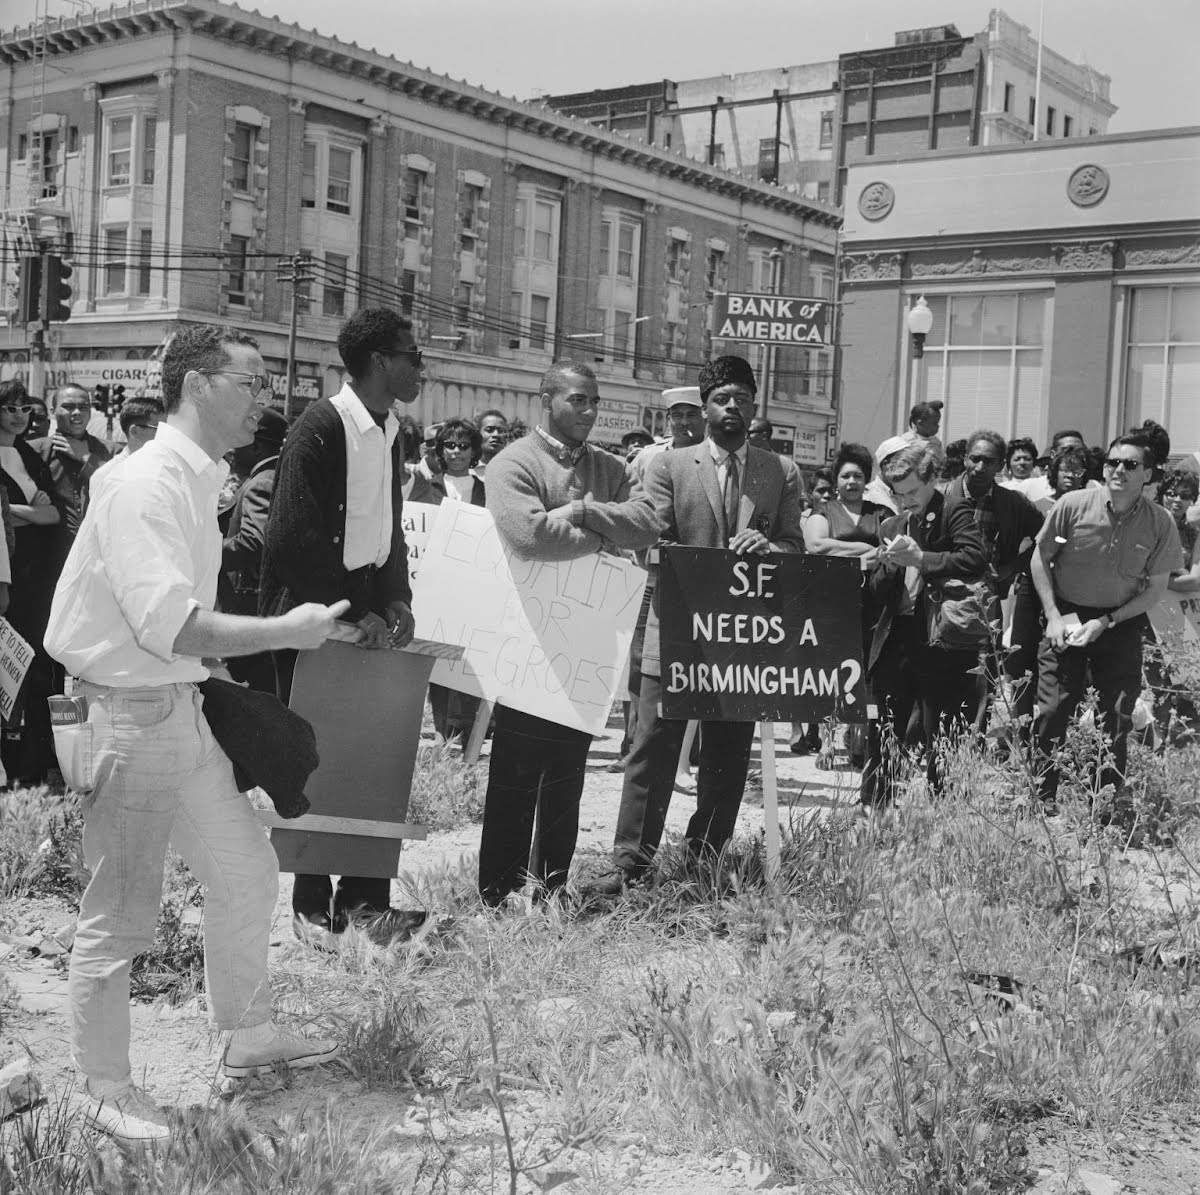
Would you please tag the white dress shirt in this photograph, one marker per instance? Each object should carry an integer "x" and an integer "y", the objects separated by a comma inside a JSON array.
[
  {"x": 368, "y": 481},
  {"x": 147, "y": 554},
  {"x": 721, "y": 460}
]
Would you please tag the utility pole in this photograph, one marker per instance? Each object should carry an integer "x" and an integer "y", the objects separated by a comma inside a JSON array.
[{"x": 297, "y": 272}]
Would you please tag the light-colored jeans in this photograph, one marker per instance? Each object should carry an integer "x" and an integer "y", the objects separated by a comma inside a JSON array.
[{"x": 161, "y": 777}]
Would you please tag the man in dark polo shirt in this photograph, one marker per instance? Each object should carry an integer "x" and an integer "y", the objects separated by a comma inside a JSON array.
[{"x": 1112, "y": 552}]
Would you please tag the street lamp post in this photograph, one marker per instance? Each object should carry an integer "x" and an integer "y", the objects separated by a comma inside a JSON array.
[{"x": 920, "y": 323}]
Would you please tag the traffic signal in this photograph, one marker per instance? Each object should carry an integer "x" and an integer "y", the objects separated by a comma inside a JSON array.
[
  {"x": 56, "y": 294},
  {"x": 100, "y": 398},
  {"x": 29, "y": 288}
]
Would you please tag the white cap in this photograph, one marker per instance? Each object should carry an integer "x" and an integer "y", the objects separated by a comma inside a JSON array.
[
  {"x": 890, "y": 446},
  {"x": 683, "y": 396}
]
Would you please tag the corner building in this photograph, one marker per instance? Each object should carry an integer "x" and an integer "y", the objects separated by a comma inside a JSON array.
[{"x": 179, "y": 151}]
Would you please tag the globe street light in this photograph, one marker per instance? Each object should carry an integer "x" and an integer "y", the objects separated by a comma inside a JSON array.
[{"x": 920, "y": 323}]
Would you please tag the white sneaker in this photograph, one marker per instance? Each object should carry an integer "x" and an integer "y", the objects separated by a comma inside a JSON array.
[
  {"x": 283, "y": 1048},
  {"x": 128, "y": 1115}
]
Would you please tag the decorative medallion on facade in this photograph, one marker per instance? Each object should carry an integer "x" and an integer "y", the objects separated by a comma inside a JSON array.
[
  {"x": 876, "y": 200},
  {"x": 1087, "y": 185}
]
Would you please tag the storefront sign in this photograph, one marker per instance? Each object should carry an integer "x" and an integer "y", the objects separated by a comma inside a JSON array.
[
  {"x": 616, "y": 418},
  {"x": 770, "y": 319},
  {"x": 753, "y": 638},
  {"x": 133, "y": 375},
  {"x": 810, "y": 447}
]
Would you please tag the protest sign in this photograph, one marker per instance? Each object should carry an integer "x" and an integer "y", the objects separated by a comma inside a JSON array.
[
  {"x": 1176, "y": 622},
  {"x": 750, "y": 638},
  {"x": 547, "y": 637},
  {"x": 365, "y": 708},
  {"x": 15, "y": 657},
  {"x": 417, "y": 520}
]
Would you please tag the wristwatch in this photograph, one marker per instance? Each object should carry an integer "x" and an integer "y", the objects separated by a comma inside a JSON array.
[{"x": 1108, "y": 621}]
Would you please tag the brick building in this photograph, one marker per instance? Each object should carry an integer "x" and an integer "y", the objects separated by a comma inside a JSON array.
[
  {"x": 207, "y": 144},
  {"x": 1063, "y": 278}
]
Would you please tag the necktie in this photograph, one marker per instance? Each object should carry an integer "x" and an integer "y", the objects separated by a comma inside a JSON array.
[{"x": 732, "y": 496}]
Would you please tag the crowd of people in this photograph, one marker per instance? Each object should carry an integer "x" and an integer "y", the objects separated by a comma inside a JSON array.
[{"x": 215, "y": 537}]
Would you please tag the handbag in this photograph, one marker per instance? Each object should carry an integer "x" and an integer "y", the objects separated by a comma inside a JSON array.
[{"x": 961, "y": 613}]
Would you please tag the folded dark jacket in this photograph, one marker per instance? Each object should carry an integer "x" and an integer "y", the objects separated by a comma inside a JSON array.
[{"x": 270, "y": 746}]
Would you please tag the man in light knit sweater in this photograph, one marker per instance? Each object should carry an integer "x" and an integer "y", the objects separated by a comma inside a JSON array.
[{"x": 553, "y": 498}]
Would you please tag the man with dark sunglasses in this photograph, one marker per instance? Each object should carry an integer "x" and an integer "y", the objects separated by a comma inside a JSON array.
[
  {"x": 1112, "y": 552},
  {"x": 334, "y": 532}
]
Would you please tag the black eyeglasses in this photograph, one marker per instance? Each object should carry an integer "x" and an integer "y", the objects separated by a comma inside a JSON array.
[
  {"x": 417, "y": 359},
  {"x": 465, "y": 446},
  {"x": 1124, "y": 462},
  {"x": 980, "y": 459},
  {"x": 258, "y": 381},
  {"x": 17, "y": 410}
]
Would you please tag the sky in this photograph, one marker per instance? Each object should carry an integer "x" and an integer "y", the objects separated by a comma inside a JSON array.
[{"x": 531, "y": 47}]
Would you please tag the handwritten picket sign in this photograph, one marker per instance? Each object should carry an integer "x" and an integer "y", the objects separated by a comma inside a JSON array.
[
  {"x": 417, "y": 520},
  {"x": 15, "y": 657},
  {"x": 753, "y": 638},
  {"x": 549, "y": 638},
  {"x": 1176, "y": 619}
]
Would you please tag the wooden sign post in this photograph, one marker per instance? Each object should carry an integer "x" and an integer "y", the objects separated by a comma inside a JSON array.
[
  {"x": 760, "y": 639},
  {"x": 366, "y": 709}
]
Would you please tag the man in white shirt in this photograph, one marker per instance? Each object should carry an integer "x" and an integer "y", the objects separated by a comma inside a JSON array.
[
  {"x": 335, "y": 532},
  {"x": 133, "y": 621}
]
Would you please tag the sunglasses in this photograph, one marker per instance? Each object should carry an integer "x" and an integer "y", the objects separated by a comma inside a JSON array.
[
  {"x": 17, "y": 410},
  {"x": 980, "y": 459},
  {"x": 1124, "y": 462},
  {"x": 258, "y": 381},
  {"x": 75, "y": 406},
  {"x": 457, "y": 445},
  {"x": 415, "y": 354}
]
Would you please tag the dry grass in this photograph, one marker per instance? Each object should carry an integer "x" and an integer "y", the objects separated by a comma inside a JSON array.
[{"x": 915, "y": 994}]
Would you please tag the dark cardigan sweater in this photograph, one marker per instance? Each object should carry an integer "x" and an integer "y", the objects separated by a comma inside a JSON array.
[{"x": 306, "y": 531}]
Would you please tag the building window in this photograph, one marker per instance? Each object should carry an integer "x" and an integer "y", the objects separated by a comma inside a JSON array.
[
  {"x": 120, "y": 151},
  {"x": 827, "y": 129},
  {"x": 1032, "y": 112},
  {"x": 414, "y": 202},
  {"x": 116, "y": 245},
  {"x": 676, "y": 253},
  {"x": 534, "y": 293},
  {"x": 333, "y": 292},
  {"x": 616, "y": 287},
  {"x": 1051, "y": 113},
  {"x": 22, "y": 146},
  {"x": 340, "y": 180},
  {"x": 149, "y": 137},
  {"x": 73, "y": 139},
  {"x": 238, "y": 247},
  {"x": 145, "y": 242},
  {"x": 1010, "y": 95},
  {"x": 670, "y": 337},
  {"x": 408, "y": 291},
  {"x": 983, "y": 359},
  {"x": 469, "y": 199},
  {"x": 462, "y": 304},
  {"x": 1162, "y": 365},
  {"x": 1091, "y": 132},
  {"x": 713, "y": 264},
  {"x": 1068, "y": 125},
  {"x": 768, "y": 159},
  {"x": 820, "y": 283},
  {"x": 308, "y": 175},
  {"x": 822, "y": 192},
  {"x": 243, "y": 147},
  {"x": 49, "y": 165}
]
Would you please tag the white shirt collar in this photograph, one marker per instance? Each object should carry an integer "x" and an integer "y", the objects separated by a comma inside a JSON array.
[
  {"x": 357, "y": 410},
  {"x": 719, "y": 454},
  {"x": 180, "y": 443}
]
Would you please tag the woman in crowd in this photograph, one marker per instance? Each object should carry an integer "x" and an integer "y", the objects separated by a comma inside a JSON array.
[
  {"x": 805, "y": 739},
  {"x": 1021, "y": 459},
  {"x": 932, "y": 540},
  {"x": 28, "y": 753},
  {"x": 1179, "y": 491},
  {"x": 1068, "y": 470},
  {"x": 849, "y": 524},
  {"x": 457, "y": 447}
]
